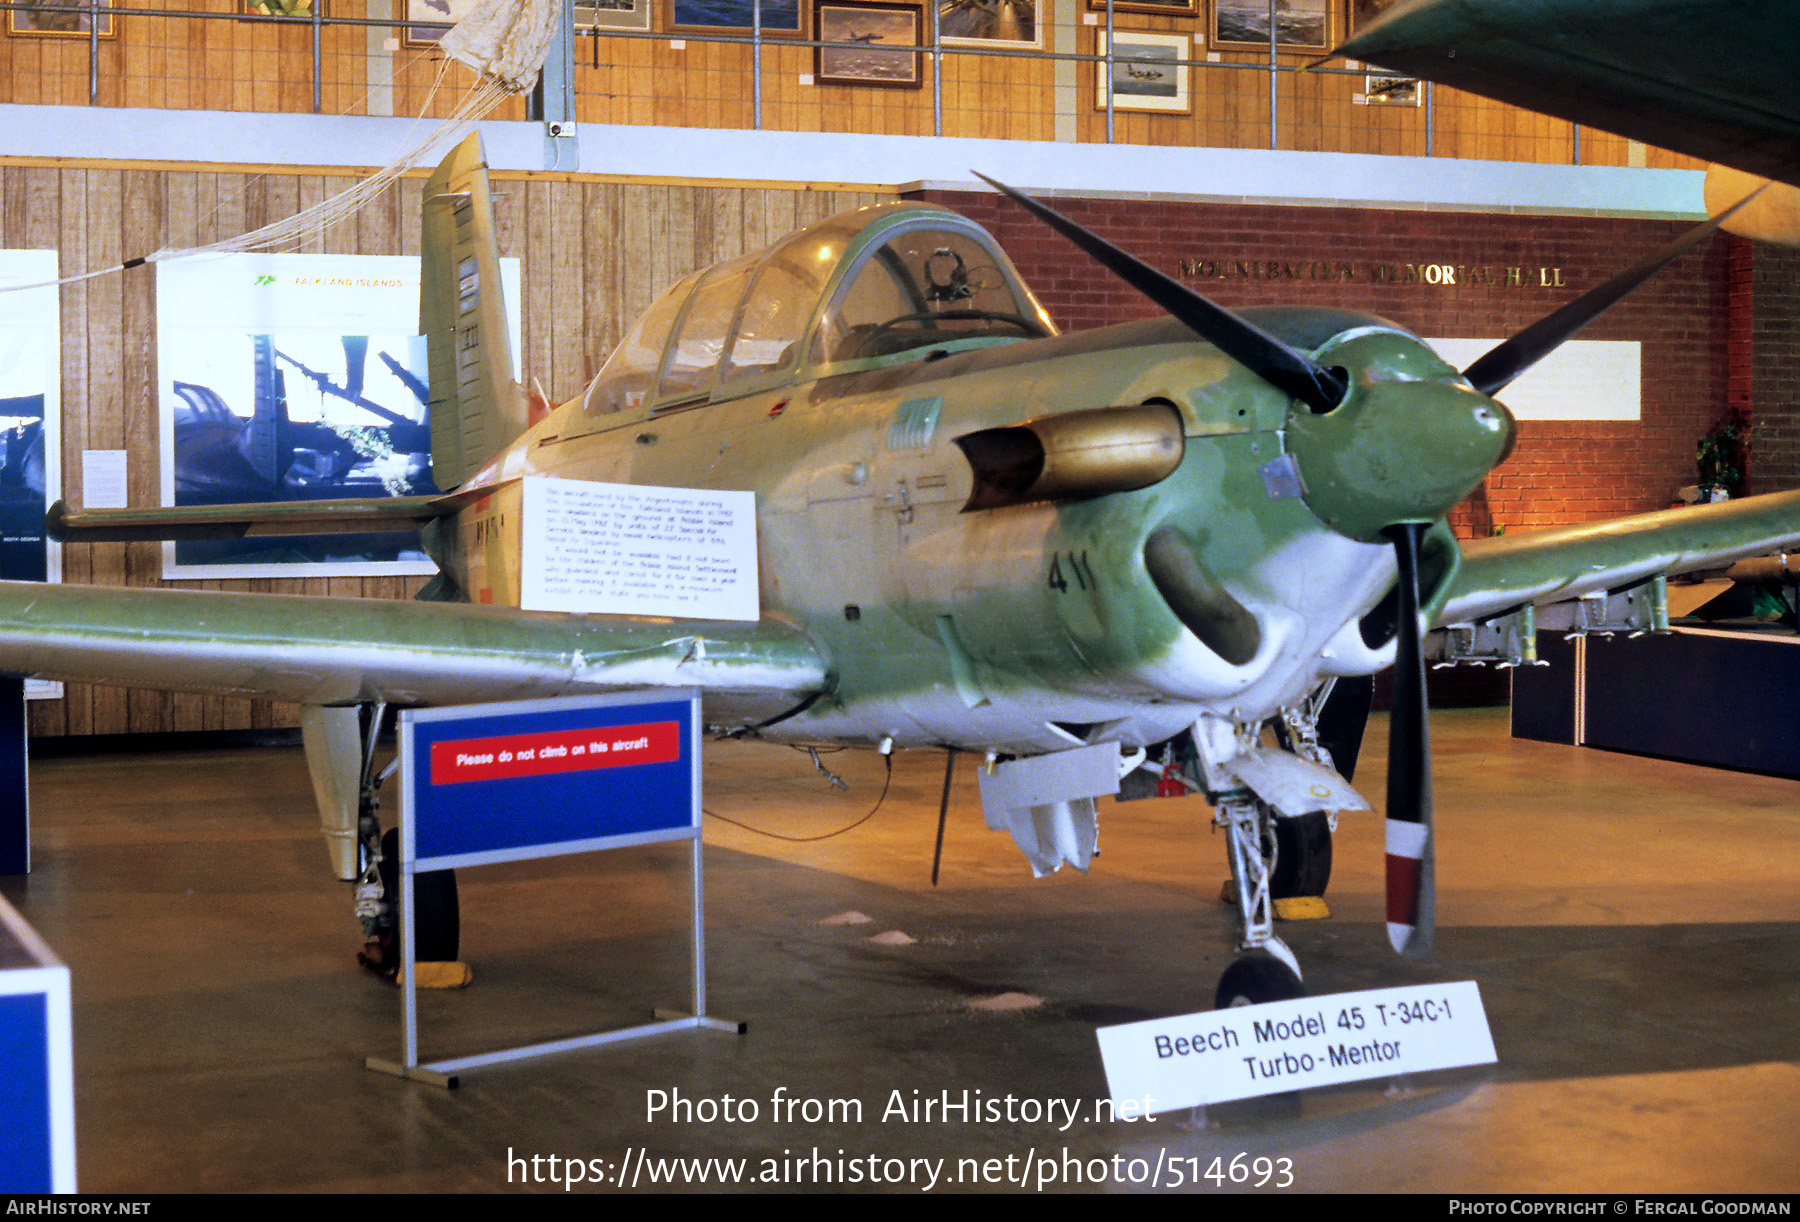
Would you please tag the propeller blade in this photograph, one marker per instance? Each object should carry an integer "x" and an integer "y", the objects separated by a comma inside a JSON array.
[
  {"x": 1494, "y": 370},
  {"x": 1411, "y": 874},
  {"x": 1287, "y": 369}
]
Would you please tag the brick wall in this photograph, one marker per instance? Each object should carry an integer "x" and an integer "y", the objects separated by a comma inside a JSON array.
[
  {"x": 1775, "y": 368},
  {"x": 1560, "y": 472}
]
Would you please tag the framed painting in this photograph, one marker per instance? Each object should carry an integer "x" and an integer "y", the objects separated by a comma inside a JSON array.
[
  {"x": 1243, "y": 25},
  {"x": 1386, "y": 89},
  {"x": 282, "y": 8},
  {"x": 1364, "y": 13},
  {"x": 59, "y": 19},
  {"x": 1161, "y": 8},
  {"x": 445, "y": 12},
  {"x": 779, "y": 17},
  {"x": 612, "y": 14},
  {"x": 862, "y": 44},
  {"x": 1011, "y": 23},
  {"x": 1146, "y": 71}
]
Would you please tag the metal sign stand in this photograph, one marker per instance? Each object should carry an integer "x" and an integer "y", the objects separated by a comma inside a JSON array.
[{"x": 523, "y": 748}]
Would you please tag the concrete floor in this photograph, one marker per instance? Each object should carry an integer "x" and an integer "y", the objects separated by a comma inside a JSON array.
[{"x": 1634, "y": 926}]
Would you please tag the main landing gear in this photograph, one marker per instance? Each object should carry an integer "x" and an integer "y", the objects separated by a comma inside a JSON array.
[{"x": 435, "y": 908}]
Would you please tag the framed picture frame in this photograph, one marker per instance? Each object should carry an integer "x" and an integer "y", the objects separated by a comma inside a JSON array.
[
  {"x": 780, "y": 18},
  {"x": 612, "y": 14},
  {"x": 1243, "y": 25},
  {"x": 1364, "y": 13},
  {"x": 990, "y": 23},
  {"x": 1146, "y": 74},
  {"x": 447, "y": 12},
  {"x": 59, "y": 19},
  {"x": 865, "y": 40},
  {"x": 1390, "y": 89},
  {"x": 1159, "y": 8},
  {"x": 297, "y": 9}
]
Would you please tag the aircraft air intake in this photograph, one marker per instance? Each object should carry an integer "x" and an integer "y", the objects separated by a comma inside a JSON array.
[{"x": 1206, "y": 608}]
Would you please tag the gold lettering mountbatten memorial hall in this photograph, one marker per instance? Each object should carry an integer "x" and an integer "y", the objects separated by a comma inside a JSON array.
[{"x": 1439, "y": 274}]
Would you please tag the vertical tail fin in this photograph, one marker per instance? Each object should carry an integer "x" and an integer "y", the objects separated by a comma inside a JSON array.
[{"x": 476, "y": 407}]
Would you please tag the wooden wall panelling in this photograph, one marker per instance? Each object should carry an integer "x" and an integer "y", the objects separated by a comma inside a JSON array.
[
  {"x": 141, "y": 230},
  {"x": 343, "y": 60},
  {"x": 728, "y": 212},
  {"x": 637, "y": 284},
  {"x": 536, "y": 338},
  {"x": 73, "y": 714},
  {"x": 105, "y": 423},
  {"x": 602, "y": 296},
  {"x": 562, "y": 292}
]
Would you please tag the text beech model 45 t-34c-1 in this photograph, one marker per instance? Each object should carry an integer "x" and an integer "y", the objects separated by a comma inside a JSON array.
[{"x": 1103, "y": 561}]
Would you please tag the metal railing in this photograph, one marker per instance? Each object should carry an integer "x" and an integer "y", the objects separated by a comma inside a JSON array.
[{"x": 361, "y": 64}]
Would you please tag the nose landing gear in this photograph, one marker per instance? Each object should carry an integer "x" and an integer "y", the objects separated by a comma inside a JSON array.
[{"x": 1266, "y": 970}]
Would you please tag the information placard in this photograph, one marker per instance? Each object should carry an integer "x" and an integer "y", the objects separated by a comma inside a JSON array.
[
  {"x": 633, "y": 550},
  {"x": 502, "y": 782},
  {"x": 1240, "y": 1053}
]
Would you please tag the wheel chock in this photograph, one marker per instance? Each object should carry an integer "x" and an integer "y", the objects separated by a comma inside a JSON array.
[
  {"x": 450, "y": 974},
  {"x": 1288, "y": 908}
]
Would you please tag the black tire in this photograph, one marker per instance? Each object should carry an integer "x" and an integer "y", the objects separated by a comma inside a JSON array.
[
  {"x": 1256, "y": 979},
  {"x": 1303, "y": 857},
  {"x": 434, "y": 903}
]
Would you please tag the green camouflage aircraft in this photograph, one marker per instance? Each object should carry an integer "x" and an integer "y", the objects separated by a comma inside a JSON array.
[{"x": 1106, "y": 562}]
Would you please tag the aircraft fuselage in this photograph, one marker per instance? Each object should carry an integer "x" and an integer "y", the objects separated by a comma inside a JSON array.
[{"x": 1026, "y": 627}]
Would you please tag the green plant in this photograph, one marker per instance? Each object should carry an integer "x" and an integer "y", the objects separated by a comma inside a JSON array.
[{"x": 1720, "y": 453}]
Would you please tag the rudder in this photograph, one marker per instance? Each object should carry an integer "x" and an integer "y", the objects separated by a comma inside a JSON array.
[{"x": 476, "y": 405}]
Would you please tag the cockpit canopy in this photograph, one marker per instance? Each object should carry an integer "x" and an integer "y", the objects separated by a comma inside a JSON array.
[{"x": 873, "y": 287}]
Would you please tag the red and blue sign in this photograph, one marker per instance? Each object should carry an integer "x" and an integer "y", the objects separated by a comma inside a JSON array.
[{"x": 509, "y": 781}]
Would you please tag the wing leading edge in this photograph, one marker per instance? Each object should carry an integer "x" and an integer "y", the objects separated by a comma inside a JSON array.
[
  {"x": 1504, "y": 573},
  {"x": 325, "y": 651}
]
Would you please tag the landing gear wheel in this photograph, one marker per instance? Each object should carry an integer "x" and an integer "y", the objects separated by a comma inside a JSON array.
[
  {"x": 434, "y": 907},
  {"x": 1255, "y": 979},
  {"x": 1303, "y": 856}
]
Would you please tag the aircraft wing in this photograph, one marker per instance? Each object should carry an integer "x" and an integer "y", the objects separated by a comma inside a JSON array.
[
  {"x": 1508, "y": 571},
  {"x": 328, "y": 651},
  {"x": 1711, "y": 78}
]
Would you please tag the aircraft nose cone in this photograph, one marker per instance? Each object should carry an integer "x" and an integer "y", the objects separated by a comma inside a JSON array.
[{"x": 1397, "y": 451}]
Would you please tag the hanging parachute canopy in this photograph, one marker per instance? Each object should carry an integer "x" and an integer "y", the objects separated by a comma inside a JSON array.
[{"x": 505, "y": 40}]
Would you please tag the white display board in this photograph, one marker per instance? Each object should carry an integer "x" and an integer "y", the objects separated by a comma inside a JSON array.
[
  {"x": 295, "y": 377},
  {"x": 1584, "y": 379},
  {"x": 31, "y": 387},
  {"x": 1241, "y": 1053},
  {"x": 634, "y": 550}
]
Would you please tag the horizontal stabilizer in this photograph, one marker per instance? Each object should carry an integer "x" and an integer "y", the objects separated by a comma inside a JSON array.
[{"x": 183, "y": 522}]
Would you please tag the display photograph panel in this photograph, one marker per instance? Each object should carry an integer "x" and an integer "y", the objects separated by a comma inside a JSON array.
[{"x": 284, "y": 378}]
